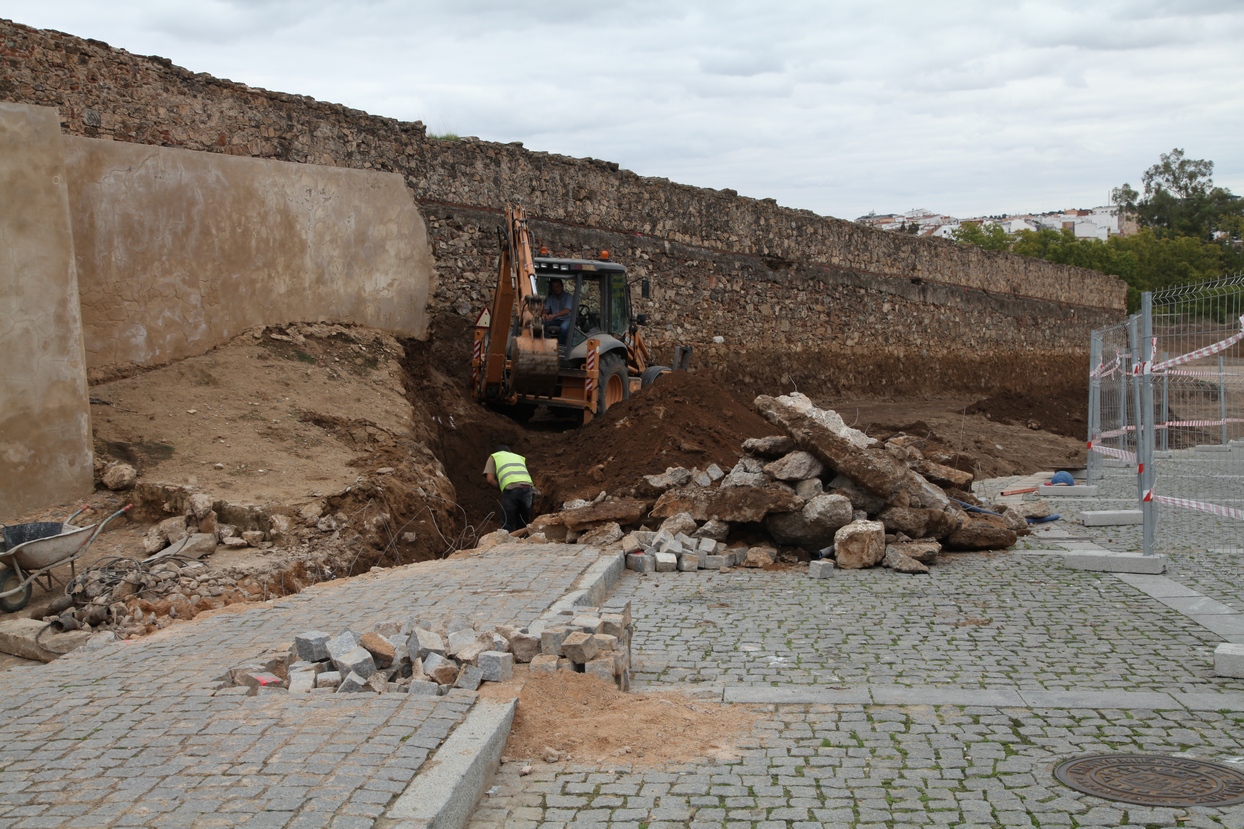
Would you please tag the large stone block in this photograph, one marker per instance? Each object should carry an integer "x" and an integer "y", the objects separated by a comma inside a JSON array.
[
  {"x": 312, "y": 645},
  {"x": 341, "y": 644},
  {"x": 799, "y": 465},
  {"x": 496, "y": 666},
  {"x": 743, "y": 504},
  {"x": 813, "y": 526},
  {"x": 579, "y": 647},
  {"x": 859, "y": 544},
  {"x": 1229, "y": 660},
  {"x": 423, "y": 642},
  {"x": 356, "y": 660}
]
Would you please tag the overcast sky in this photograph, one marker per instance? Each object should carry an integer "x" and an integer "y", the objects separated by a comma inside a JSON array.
[{"x": 843, "y": 108}]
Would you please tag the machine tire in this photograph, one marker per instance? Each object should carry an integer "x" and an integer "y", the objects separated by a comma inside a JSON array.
[
  {"x": 613, "y": 382},
  {"x": 651, "y": 373},
  {"x": 9, "y": 580}
]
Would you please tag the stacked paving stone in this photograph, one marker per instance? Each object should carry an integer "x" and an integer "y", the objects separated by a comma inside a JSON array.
[
  {"x": 407, "y": 658},
  {"x": 415, "y": 659},
  {"x": 588, "y": 640}
]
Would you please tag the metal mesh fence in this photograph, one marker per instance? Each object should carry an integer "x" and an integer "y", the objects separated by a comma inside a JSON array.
[
  {"x": 1166, "y": 396},
  {"x": 1198, "y": 378}
]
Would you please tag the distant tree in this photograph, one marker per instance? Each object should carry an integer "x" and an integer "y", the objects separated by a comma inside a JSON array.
[
  {"x": 988, "y": 236},
  {"x": 1180, "y": 198}
]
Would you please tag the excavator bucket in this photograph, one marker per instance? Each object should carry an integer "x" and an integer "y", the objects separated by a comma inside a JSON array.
[{"x": 533, "y": 365}]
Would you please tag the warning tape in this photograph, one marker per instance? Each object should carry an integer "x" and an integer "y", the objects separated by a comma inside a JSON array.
[
  {"x": 1200, "y": 506},
  {"x": 1105, "y": 370},
  {"x": 1113, "y": 453},
  {"x": 1207, "y": 351},
  {"x": 1201, "y": 422}
]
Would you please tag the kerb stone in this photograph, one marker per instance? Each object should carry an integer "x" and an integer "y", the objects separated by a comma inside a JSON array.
[{"x": 1229, "y": 660}]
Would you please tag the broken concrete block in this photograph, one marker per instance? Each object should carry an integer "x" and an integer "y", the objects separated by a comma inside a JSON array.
[
  {"x": 423, "y": 688},
  {"x": 119, "y": 476},
  {"x": 859, "y": 544},
  {"x": 381, "y": 649},
  {"x": 460, "y": 639},
  {"x": 759, "y": 557},
  {"x": 352, "y": 683},
  {"x": 551, "y": 640},
  {"x": 798, "y": 465},
  {"x": 601, "y": 536},
  {"x": 423, "y": 642},
  {"x": 700, "y": 478},
  {"x": 822, "y": 569},
  {"x": 328, "y": 679},
  {"x": 630, "y": 544},
  {"x": 813, "y": 526},
  {"x": 900, "y": 562},
  {"x": 809, "y": 489},
  {"x": 739, "y": 476},
  {"x": 714, "y": 472},
  {"x": 357, "y": 660},
  {"x": 496, "y": 666},
  {"x": 666, "y": 562},
  {"x": 341, "y": 644},
  {"x": 378, "y": 683},
  {"x": 544, "y": 663},
  {"x": 621, "y": 511},
  {"x": 439, "y": 669},
  {"x": 312, "y": 645},
  {"x": 671, "y": 477},
  {"x": 641, "y": 563},
  {"x": 925, "y": 552},
  {"x": 579, "y": 647},
  {"x": 979, "y": 533},
  {"x": 713, "y": 530},
  {"x": 679, "y": 523},
  {"x": 601, "y": 668},
  {"x": 774, "y": 446},
  {"x": 743, "y": 504},
  {"x": 470, "y": 677}
]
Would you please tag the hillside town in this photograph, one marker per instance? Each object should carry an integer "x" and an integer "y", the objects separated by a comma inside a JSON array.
[{"x": 1091, "y": 223}]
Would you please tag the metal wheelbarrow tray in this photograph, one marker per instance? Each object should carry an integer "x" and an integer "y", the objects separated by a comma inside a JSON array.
[{"x": 32, "y": 550}]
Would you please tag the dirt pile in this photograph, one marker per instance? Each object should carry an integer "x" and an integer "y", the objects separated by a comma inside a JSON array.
[
  {"x": 1062, "y": 412},
  {"x": 576, "y": 717}
]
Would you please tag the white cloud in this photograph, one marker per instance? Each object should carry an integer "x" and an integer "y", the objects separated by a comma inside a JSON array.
[{"x": 972, "y": 107}]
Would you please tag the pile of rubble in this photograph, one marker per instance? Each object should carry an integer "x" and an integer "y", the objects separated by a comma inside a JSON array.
[
  {"x": 821, "y": 491},
  {"x": 415, "y": 659}
]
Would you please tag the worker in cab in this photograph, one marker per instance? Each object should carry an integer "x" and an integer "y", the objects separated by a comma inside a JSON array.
[
  {"x": 557, "y": 309},
  {"x": 508, "y": 472}
]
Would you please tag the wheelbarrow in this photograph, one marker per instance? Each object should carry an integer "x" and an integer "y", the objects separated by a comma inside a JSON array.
[{"x": 30, "y": 551}]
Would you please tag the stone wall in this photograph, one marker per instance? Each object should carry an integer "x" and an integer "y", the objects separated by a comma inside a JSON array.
[
  {"x": 45, "y": 421},
  {"x": 180, "y": 251},
  {"x": 783, "y": 287}
]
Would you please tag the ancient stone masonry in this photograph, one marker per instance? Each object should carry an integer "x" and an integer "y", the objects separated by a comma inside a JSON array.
[{"x": 784, "y": 288}]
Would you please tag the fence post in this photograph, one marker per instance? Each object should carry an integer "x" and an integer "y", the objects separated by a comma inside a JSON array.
[
  {"x": 1222, "y": 398},
  {"x": 1146, "y": 426},
  {"x": 1094, "y": 414},
  {"x": 1166, "y": 408}
]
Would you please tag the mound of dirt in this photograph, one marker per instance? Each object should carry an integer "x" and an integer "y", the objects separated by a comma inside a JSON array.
[
  {"x": 682, "y": 419},
  {"x": 592, "y": 721},
  {"x": 1063, "y": 413}
]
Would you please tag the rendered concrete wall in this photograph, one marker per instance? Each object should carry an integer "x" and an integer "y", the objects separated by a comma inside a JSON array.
[
  {"x": 45, "y": 429},
  {"x": 178, "y": 251}
]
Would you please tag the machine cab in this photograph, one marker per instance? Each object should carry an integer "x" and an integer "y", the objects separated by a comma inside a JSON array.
[{"x": 596, "y": 294}]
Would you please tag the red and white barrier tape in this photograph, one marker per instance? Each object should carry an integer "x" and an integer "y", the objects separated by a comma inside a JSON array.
[
  {"x": 1113, "y": 453},
  {"x": 1207, "y": 351},
  {"x": 1200, "y": 506},
  {"x": 1105, "y": 370},
  {"x": 1200, "y": 422}
]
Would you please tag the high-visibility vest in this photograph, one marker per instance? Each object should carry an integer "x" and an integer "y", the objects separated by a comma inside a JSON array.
[{"x": 511, "y": 469}]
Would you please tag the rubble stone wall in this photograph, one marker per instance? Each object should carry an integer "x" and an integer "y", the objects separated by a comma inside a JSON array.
[
  {"x": 780, "y": 285},
  {"x": 45, "y": 421},
  {"x": 180, "y": 251}
]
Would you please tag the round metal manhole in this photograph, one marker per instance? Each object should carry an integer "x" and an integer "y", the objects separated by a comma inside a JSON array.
[{"x": 1153, "y": 780}]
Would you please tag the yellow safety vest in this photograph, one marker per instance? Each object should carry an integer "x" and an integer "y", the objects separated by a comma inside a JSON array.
[{"x": 511, "y": 470}]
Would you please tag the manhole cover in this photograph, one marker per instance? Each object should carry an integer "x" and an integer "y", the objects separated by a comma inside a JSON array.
[{"x": 1153, "y": 780}]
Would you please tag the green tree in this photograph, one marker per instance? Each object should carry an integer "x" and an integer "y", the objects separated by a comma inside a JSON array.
[
  {"x": 988, "y": 236},
  {"x": 1180, "y": 198}
]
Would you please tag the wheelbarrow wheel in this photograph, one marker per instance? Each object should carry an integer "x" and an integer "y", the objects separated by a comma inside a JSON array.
[{"x": 9, "y": 580}]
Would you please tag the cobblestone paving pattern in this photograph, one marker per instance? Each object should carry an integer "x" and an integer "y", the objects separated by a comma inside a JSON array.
[
  {"x": 875, "y": 767},
  {"x": 996, "y": 620},
  {"x": 136, "y": 735}
]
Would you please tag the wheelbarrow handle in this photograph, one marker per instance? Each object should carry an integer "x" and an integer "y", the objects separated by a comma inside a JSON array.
[
  {"x": 69, "y": 520},
  {"x": 103, "y": 524}
]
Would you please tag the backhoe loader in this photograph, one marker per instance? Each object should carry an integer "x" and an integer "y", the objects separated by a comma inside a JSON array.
[{"x": 519, "y": 362}]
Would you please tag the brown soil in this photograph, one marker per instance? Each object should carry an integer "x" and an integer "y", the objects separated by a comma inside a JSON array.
[
  {"x": 1063, "y": 413},
  {"x": 591, "y": 721}
]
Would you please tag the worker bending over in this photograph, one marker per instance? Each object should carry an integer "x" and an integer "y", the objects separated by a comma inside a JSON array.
[{"x": 508, "y": 471}]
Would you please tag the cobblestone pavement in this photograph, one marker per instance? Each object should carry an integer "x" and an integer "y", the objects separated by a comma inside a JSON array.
[
  {"x": 997, "y": 620},
  {"x": 878, "y": 767},
  {"x": 137, "y": 734}
]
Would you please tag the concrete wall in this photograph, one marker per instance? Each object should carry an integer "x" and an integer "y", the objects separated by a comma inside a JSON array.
[
  {"x": 179, "y": 251},
  {"x": 45, "y": 429}
]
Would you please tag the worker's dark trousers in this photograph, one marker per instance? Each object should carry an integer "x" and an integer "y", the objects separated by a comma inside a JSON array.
[{"x": 516, "y": 505}]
